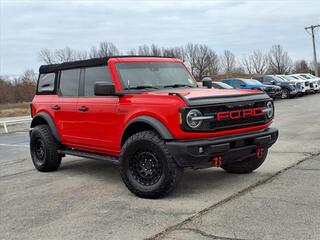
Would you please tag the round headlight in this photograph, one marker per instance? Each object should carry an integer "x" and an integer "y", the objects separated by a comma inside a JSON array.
[
  {"x": 192, "y": 120},
  {"x": 269, "y": 109}
]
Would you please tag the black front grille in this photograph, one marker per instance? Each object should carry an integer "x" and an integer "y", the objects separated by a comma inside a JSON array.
[{"x": 214, "y": 124}]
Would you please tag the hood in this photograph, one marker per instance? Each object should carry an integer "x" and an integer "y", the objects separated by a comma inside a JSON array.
[{"x": 205, "y": 96}]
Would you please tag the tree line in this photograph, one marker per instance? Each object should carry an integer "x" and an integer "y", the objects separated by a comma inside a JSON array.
[
  {"x": 18, "y": 89},
  {"x": 202, "y": 60}
]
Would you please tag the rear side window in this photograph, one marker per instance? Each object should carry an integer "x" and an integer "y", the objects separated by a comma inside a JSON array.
[
  {"x": 69, "y": 82},
  {"x": 95, "y": 74},
  {"x": 46, "y": 82}
]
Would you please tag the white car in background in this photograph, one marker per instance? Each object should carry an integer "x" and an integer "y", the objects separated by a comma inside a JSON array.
[
  {"x": 300, "y": 85},
  {"x": 293, "y": 81},
  {"x": 305, "y": 83},
  {"x": 315, "y": 81}
]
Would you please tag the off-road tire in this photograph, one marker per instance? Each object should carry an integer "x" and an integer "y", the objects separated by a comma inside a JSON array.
[
  {"x": 245, "y": 166},
  {"x": 48, "y": 159},
  {"x": 162, "y": 180}
]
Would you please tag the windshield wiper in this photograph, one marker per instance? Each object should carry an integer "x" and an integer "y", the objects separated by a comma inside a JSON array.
[
  {"x": 177, "y": 85},
  {"x": 140, "y": 87}
]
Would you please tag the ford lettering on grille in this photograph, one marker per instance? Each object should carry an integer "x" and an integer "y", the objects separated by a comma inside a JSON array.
[{"x": 237, "y": 114}]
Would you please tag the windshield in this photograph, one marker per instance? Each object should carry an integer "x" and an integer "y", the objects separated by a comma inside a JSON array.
[
  {"x": 279, "y": 78},
  {"x": 311, "y": 76},
  {"x": 302, "y": 77},
  {"x": 305, "y": 76},
  {"x": 252, "y": 82},
  {"x": 289, "y": 78},
  {"x": 154, "y": 75},
  {"x": 282, "y": 78},
  {"x": 295, "y": 77}
]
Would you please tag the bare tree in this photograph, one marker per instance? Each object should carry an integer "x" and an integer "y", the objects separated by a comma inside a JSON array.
[
  {"x": 61, "y": 55},
  {"x": 46, "y": 56},
  {"x": 104, "y": 49},
  {"x": 301, "y": 66},
  {"x": 279, "y": 60},
  {"x": 228, "y": 61},
  {"x": 175, "y": 52},
  {"x": 247, "y": 64},
  {"x": 155, "y": 50},
  {"x": 202, "y": 60},
  {"x": 259, "y": 62},
  {"x": 132, "y": 52},
  {"x": 64, "y": 55},
  {"x": 29, "y": 76},
  {"x": 144, "y": 50}
]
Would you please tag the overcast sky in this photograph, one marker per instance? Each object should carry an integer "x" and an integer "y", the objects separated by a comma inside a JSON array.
[{"x": 26, "y": 27}]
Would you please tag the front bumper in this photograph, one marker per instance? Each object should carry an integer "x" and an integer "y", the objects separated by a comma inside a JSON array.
[
  {"x": 200, "y": 153},
  {"x": 293, "y": 92}
]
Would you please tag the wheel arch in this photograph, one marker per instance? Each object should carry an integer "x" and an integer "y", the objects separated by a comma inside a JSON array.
[
  {"x": 44, "y": 118},
  {"x": 143, "y": 123}
]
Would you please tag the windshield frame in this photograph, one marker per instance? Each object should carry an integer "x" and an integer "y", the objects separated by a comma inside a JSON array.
[{"x": 155, "y": 87}]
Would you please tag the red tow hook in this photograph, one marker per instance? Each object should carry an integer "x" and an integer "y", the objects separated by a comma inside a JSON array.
[
  {"x": 217, "y": 161},
  {"x": 259, "y": 152}
]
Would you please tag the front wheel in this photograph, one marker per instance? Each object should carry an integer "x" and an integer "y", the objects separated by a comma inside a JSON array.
[
  {"x": 285, "y": 94},
  {"x": 246, "y": 165},
  {"x": 146, "y": 166}
]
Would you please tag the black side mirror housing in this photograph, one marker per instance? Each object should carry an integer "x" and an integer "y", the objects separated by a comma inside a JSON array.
[
  {"x": 104, "y": 89},
  {"x": 207, "y": 82},
  {"x": 242, "y": 85}
]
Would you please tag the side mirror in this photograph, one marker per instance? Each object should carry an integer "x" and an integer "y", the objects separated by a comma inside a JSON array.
[
  {"x": 104, "y": 89},
  {"x": 273, "y": 82},
  {"x": 242, "y": 85},
  {"x": 207, "y": 82}
]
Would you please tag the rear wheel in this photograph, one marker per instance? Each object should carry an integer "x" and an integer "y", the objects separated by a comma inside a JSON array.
[
  {"x": 146, "y": 166},
  {"x": 44, "y": 149},
  {"x": 246, "y": 165}
]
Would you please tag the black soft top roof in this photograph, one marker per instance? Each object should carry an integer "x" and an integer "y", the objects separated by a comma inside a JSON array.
[{"x": 83, "y": 63}]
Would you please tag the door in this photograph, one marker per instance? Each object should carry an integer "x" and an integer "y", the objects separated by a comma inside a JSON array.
[
  {"x": 97, "y": 117},
  {"x": 66, "y": 105}
]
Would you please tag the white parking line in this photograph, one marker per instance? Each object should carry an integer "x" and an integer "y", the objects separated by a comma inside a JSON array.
[{"x": 13, "y": 145}]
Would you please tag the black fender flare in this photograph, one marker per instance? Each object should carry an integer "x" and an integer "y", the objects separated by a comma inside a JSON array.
[
  {"x": 153, "y": 122},
  {"x": 45, "y": 117}
]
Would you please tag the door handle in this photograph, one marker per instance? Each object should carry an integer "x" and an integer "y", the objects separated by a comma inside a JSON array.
[
  {"x": 83, "y": 109},
  {"x": 56, "y": 107}
]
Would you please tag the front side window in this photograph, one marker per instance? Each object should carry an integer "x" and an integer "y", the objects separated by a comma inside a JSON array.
[
  {"x": 46, "y": 82},
  {"x": 154, "y": 75},
  {"x": 69, "y": 82},
  {"x": 93, "y": 75},
  {"x": 238, "y": 83}
]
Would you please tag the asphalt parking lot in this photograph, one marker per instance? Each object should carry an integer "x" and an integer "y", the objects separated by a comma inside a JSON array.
[{"x": 86, "y": 199}]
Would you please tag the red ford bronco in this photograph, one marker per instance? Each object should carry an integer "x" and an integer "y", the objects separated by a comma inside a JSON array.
[{"x": 148, "y": 115}]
